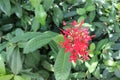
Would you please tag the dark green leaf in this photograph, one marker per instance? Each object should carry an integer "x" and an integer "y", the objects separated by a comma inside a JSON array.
[
  {"x": 47, "y": 4},
  {"x": 57, "y": 15},
  {"x": 70, "y": 14},
  {"x": 116, "y": 46},
  {"x": 62, "y": 66},
  {"x": 32, "y": 59},
  {"x": 7, "y": 27}
]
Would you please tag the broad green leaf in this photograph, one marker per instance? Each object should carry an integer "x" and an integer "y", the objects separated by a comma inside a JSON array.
[
  {"x": 35, "y": 2},
  {"x": 57, "y": 15},
  {"x": 2, "y": 65},
  {"x": 92, "y": 16},
  {"x": 81, "y": 11},
  {"x": 101, "y": 44},
  {"x": 40, "y": 14},
  {"x": 25, "y": 37},
  {"x": 117, "y": 73},
  {"x": 18, "y": 78},
  {"x": 39, "y": 41},
  {"x": 116, "y": 46},
  {"x": 16, "y": 61},
  {"x": 118, "y": 6},
  {"x": 5, "y": 6},
  {"x": 103, "y": 18},
  {"x": 90, "y": 8},
  {"x": 7, "y": 27},
  {"x": 6, "y": 77},
  {"x": 96, "y": 73},
  {"x": 54, "y": 46},
  {"x": 93, "y": 64},
  {"x": 109, "y": 63},
  {"x": 47, "y": 4},
  {"x": 3, "y": 45},
  {"x": 9, "y": 52},
  {"x": 62, "y": 66},
  {"x": 18, "y": 10},
  {"x": 35, "y": 25},
  {"x": 70, "y": 14}
]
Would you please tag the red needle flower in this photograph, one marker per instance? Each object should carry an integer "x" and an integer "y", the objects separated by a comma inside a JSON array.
[{"x": 76, "y": 41}]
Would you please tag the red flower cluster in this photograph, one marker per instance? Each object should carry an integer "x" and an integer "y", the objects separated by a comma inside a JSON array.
[{"x": 76, "y": 41}]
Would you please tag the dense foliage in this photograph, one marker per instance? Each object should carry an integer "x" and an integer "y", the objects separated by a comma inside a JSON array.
[{"x": 30, "y": 36}]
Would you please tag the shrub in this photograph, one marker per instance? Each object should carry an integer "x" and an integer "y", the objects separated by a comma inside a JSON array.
[{"x": 30, "y": 37}]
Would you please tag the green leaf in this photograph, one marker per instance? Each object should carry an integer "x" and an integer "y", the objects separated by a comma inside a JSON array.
[
  {"x": 18, "y": 10},
  {"x": 47, "y": 4},
  {"x": 70, "y": 14},
  {"x": 116, "y": 46},
  {"x": 54, "y": 46},
  {"x": 47, "y": 66},
  {"x": 40, "y": 14},
  {"x": 101, "y": 44},
  {"x": 109, "y": 63},
  {"x": 81, "y": 18},
  {"x": 81, "y": 11},
  {"x": 90, "y": 8},
  {"x": 32, "y": 59},
  {"x": 5, "y": 6},
  {"x": 39, "y": 41},
  {"x": 25, "y": 37},
  {"x": 7, "y": 27},
  {"x": 18, "y": 78},
  {"x": 96, "y": 73},
  {"x": 35, "y": 25},
  {"x": 35, "y": 2},
  {"x": 57, "y": 15},
  {"x": 117, "y": 73},
  {"x": 93, "y": 64},
  {"x": 118, "y": 6},
  {"x": 92, "y": 46},
  {"x": 62, "y": 66},
  {"x": 92, "y": 16},
  {"x": 3, "y": 45},
  {"x": 6, "y": 77},
  {"x": 15, "y": 61},
  {"x": 2, "y": 65}
]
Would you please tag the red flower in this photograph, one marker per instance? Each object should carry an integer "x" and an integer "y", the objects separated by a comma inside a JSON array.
[{"x": 76, "y": 41}]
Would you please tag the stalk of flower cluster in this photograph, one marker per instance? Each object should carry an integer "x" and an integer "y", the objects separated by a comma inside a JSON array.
[{"x": 76, "y": 41}]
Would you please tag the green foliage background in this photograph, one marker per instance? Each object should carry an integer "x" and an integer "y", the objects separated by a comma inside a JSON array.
[{"x": 29, "y": 37}]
